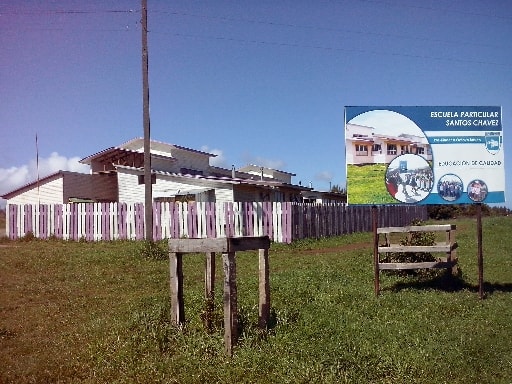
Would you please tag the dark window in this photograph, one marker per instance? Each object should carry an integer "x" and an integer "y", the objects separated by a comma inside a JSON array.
[{"x": 391, "y": 149}]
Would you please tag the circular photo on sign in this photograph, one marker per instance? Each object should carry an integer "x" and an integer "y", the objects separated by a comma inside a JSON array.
[
  {"x": 477, "y": 190},
  {"x": 450, "y": 187},
  {"x": 409, "y": 178}
]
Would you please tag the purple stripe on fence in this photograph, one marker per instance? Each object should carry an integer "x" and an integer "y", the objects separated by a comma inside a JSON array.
[
  {"x": 229, "y": 218},
  {"x": 210, "y": 219},
  {"x": 74, "y": 222},
  {"x": 122, "y": 212},
  {"x": 105, "y": 221},
  {"x": 28, "y": 219},
  {"x": 43, "y": 221},
  {"x": 139, "y": 221},
  {"x": 58, "y": 221},
  {"x": 89, "y": 221},
  {"x": 287, "y": 222},
  {"x": 192, "y": 220},
  {"x": 174, "y": 220},
  {"x": 13, "y": 222}
]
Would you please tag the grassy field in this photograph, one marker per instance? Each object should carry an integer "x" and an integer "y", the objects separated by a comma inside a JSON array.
[
  {"x": 99, "y": 313},
  {"x": 366, "y": 184}
]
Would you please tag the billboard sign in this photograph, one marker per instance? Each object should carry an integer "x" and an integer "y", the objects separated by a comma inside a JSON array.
[{"x": 424, "y": 155}]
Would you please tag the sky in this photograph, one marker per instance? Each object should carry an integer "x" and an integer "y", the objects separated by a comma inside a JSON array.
[
  {"x": 255, "y": 82},
  {"x": 388, "y": 123}
]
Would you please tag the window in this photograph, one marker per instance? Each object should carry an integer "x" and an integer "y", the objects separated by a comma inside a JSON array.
[
  {"x": 404, "y": 149},
  {"x": 361, "y": 150},
  {"x": 420, "y": 151},
  {"x": 376, "y": 148},
  {"x": 391, "y": 149}
]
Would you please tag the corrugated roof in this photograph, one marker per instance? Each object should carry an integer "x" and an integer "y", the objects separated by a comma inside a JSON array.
[{"x": 222, "y": 179}]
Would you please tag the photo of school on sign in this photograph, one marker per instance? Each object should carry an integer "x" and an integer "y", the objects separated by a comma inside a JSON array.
[{"x": 424, "y": 155}]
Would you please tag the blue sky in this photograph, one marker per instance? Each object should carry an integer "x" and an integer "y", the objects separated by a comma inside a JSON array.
[{"x": 256, "y": 82}]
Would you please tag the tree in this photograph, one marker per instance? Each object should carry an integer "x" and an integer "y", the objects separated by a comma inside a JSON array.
[{"x": 337, "y": 189}]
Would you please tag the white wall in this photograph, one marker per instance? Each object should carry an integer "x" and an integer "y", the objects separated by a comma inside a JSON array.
[
  {"x": 131, "y": 192},
  {"x": 50, "y": 192},
  {"x": 129, "y": 189}
]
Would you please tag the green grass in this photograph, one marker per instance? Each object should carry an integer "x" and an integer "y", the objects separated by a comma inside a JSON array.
[
  {"x": 99, "y": 313},
  {"x": 366, "y": 184}
]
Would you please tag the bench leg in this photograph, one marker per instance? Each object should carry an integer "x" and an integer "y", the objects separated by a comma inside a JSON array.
[
  {"x": 230, "y": 302},
  {"x": 177, "y": 303},
  {"x": 264, "y": 289}
]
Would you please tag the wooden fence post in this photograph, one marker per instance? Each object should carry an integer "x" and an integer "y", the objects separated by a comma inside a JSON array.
[
  {"x": 230, "y": 302},
  {"x": 209, "y": 277},
  {"x": 176, "y": 282},
  {"x": 264, "y": 289},
  {"x": 375, "y": 250}
]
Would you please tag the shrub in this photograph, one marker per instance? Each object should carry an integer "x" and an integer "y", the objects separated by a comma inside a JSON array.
[
  {"x": 152, "y": 250},
  {"x": 415, "y": 238}
]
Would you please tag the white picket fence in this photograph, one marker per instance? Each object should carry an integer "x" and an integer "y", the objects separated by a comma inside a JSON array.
[
  {"x": 119, "y": 221},
  {"x": 282, "y": 222}
]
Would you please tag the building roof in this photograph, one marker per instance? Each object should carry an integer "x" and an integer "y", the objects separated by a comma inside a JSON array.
[
  {"x": 257, "y": 168},
  {"x": 221, "y": 179},
  {"x": 136, "y": 146},
  {"x": 33, "y": 184}
]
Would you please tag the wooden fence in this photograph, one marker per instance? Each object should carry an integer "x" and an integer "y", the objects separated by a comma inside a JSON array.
[{"x": 282, "y": 222}]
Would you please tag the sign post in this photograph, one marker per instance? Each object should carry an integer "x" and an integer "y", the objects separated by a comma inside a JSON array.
[{"x": 423, "y": 155}]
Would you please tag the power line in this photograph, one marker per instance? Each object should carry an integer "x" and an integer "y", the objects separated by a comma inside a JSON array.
[
  {"x": 329, "y": 29},
  {"x": 459, "y": 11},
  {"x": 277, "y": 24},
  {"x": 63, "y": 12},
  {"x": 328, "y": 48},
  {"x": 274, "y": 24}
]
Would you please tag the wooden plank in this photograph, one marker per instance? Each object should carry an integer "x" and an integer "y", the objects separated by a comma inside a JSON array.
[
  {"x": 376, "y": 277},
  {"x": 209, "y": 276},
  {"x": 439, "y": 247},
  {"x": 417, "y": 228},
  {"x": 422, "y": 265},
  {"x": 219, "y": 245},
  {"x": 176, "y": 287},
  {"x": 230, "y": 302},
  {"x": 264, "y": 289}
]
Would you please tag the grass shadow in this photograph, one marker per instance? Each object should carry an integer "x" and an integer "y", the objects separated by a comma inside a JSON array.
[
  {"x": 443, "y": 281},
  {"x": 447, "y": 282}
]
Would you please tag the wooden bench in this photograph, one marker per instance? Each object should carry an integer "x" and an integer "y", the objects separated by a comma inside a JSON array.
[
  {"x": 392, "y": 245},
  {"x": 228, "y": 248}
]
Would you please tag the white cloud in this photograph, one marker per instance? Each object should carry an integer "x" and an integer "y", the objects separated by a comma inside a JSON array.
[
  {"x": 219, "y": 160},
  {"x": 15, "y": 177},
  {"x": 268, "y": 163},
  {"x": 324, "y": 176}
]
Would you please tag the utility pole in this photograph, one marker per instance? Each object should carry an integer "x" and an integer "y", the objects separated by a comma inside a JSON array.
[{"x": 148, "y": 188}]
